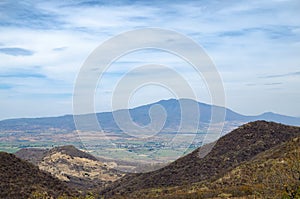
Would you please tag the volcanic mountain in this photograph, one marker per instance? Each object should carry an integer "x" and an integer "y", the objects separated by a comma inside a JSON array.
[{"x": 140, "y": 115}]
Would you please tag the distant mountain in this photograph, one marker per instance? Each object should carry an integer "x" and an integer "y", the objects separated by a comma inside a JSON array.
[
  {"x": 65, "y": 123},
  {"x": 229, "y": 152},
  {"x": 172, "y": 107},
  {"x": 21, "y": 179},
  {"x": 76, "y": 168},
  {"x": 269, "y": 116},
  {"x": 140, "y": 115}
]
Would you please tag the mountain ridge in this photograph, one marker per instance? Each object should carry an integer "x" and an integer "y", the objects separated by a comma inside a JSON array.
[
  {"x": 140, "y": 116},
  {"x": 239, "y": 146},
  {"x": 269, "y": 174}
]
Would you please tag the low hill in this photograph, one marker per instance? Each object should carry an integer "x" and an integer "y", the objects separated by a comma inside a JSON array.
[
  {"x": 78, "y": 169},
  {"x": 230, "y": 151},
  {"x": 21, "y": 179},
  {"x": 33, "y": 155},
  {"x": 36, "y": 155}
]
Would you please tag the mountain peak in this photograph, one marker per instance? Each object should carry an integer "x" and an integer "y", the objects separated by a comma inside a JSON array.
[{"x": 73, "y": 152}]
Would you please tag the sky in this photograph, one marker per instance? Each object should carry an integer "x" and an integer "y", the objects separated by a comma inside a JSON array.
[{"x": 254, "y": 45}]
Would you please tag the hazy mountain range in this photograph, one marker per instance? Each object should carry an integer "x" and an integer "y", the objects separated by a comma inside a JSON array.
[{"x": 140, "y": 115}]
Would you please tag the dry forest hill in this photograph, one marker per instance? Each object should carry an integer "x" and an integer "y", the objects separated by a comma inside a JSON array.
[{"x": 230, "y": 151}]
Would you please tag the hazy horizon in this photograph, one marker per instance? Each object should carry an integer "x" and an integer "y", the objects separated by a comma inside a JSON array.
[{"x": 136, "y": 106}]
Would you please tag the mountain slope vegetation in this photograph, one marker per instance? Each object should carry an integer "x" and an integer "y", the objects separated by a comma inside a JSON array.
[
  {"x": 230, "y": 151},
  {"x": 274, "y": 173},
  {"x": 21, "y": 179},
  {"x": 257, "y": 160},
  {"x": 78, "y": 169}
]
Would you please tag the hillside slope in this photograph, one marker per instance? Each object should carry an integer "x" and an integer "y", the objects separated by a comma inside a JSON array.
[
  {"x": 21, "y": 179},
  {"x": 274, "y": 173},
  {"x": 230, "y": 151},
  {"x": 78, "y": 169}
]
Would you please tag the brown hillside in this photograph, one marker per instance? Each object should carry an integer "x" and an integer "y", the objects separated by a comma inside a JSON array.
[
  {"x": 271, "y": 174},
  {"x": 36, "y": 155},
  {"x": 274, "y": 173},
  {"x": 33, "y": 155},
  {"x": 78, "y": 169},
  {"x": 73, "y": 152},
  {"x": 230, "y": 151},
  {"x": 21, "y": 179}
]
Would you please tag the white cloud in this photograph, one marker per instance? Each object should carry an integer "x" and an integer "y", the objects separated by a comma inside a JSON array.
[{"x": 246, "y": 40}]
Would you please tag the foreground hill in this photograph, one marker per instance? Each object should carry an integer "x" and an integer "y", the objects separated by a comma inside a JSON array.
[
  {"x": 230, "y": 151},
  {"x": 21, "y": 179},
  {"x": 78, "y": 169},
  {"x": 274, "y": 173}
]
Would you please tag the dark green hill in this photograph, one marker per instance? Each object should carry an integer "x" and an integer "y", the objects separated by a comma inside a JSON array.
[
  {"x": 21, "y": 179},
  {"x": 230, "y": 151}
]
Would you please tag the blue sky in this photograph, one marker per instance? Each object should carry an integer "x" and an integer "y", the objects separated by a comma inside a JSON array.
[{"x": 255, "y": 46}]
